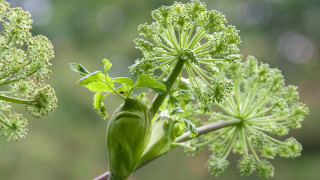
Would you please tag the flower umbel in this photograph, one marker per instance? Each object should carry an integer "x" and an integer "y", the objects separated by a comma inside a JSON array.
[
  {"x": 13, "y": 127},
  {"x": 24, "y": 63},
  {"x": 186, "y": 32},
  {"x": 263, "y": 106}
]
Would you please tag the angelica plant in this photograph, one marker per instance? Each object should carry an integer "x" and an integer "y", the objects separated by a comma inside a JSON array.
[
  {"x": 191, "y": 63},
  {"x": 24, "y": 66}
]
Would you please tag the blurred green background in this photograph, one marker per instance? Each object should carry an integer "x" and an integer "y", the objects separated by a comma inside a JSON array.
[{"x": 70, "y": 143}]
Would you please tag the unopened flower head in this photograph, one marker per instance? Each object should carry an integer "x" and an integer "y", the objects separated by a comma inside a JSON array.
[{"x": 186, "y": 32}]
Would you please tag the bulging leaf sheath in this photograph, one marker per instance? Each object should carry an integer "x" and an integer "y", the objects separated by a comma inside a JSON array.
[
  {"x": 128, "y": 134},
  {"x": 162, "y": 136}
]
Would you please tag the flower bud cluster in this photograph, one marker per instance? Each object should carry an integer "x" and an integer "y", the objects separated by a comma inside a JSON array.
[
  {"x": 190, "y": 33},
  {"x": 24, "y": 63}
]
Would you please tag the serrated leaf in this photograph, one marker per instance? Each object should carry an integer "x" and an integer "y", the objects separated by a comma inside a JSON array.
[
  {"x": 191, "y": 127},
  {"x": 124, "y": 80},
  {"x": 106, "y": 65},
  {"x": 145, "y": 80},
  {"x": 78, "y": 68},
  {"x": 123, "y": 89},
  {"x": 176, "y": 110},
  {"x": 97, "y": 82},
  {"x": 109, "y": 81},
  {"x": 93, "y": 77},
  {"x": 99, "y": 105},
  {"x": 98, "y": 86}
]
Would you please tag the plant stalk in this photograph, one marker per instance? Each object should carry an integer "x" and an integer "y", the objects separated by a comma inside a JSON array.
[
  {"x": 16, "y": 100},
  {"x": 208, "y": 128},
  {"x": 159, "y": 98}
]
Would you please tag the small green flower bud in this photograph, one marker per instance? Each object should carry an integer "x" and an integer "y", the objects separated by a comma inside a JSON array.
[
  {"x": 128, "y": 134},
  {"x": 217, "y": 165},
  {"x": 265, "y": 169},
  {"x": 246, "y": 165},
  {"x": 290, "y": 148},
  {"x": 269, "y": 151}
]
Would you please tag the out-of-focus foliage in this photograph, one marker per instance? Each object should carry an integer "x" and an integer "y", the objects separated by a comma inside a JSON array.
[{"x": 68, "y": 144}]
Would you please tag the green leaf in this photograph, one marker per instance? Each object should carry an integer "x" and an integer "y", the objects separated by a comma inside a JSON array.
[
  {"x": 98, "y": 87},
  {"x": 124, "y": 80},
  {"x": 145, "y": 80},
  {"x": 106, "y": 65},
  {"x": 99, "y": 105},
  {"x": 78, "y": 68},
  {"x": 123, "y": 89},
  {"x": 97, "y": 82},
  {"x": 95, "y": 76},
  {"x": 191, "y": 127}
]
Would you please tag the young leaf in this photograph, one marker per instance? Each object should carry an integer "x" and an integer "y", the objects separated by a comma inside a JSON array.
[
  {"x": 191, "y": 127},
  {"x": 99, "y": 105},
  {"x": 95, "y": 76},
  {"x": 79, "y": 68},
  {"x": 98, "y": 86},
  {"x": 146, "y": 81},
  {"x": 97, "y": 82},
  {"x": 106, "y": 65},
  {"x": 125, "y": 80},
  {"x": 123, "y": 89}
]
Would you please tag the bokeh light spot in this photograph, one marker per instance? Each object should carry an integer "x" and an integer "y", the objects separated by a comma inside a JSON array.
[
  {"x": 255, "y": 12},
  {"x": 295, "y": 47}
]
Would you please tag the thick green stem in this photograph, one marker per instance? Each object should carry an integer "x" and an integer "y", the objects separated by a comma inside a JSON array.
[{"x": 173, "y": 76}]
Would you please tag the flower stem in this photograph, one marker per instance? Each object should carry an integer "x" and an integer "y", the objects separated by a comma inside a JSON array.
[
  {"x": 16, "y": 100},
  {"x": 5, "y": 123},
  {"x": 159, "y": 98},
  {"x": 208, "y": 128}
]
